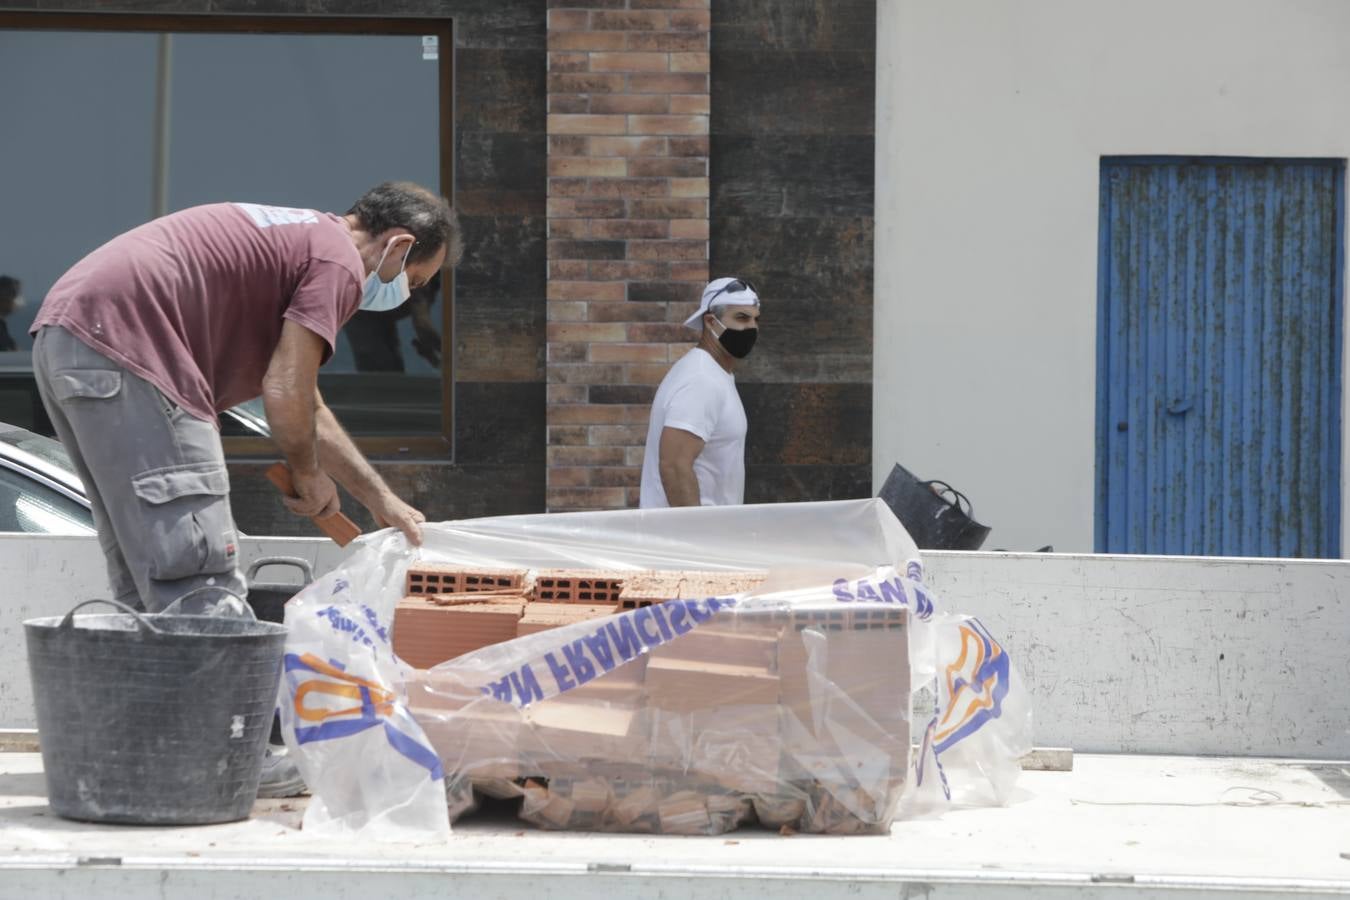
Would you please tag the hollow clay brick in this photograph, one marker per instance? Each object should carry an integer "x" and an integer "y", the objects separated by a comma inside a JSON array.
[
  {"x": 442, "y": 578},
  {"x": 577, "y": 586},
  {"x": 645, "y": 588}
]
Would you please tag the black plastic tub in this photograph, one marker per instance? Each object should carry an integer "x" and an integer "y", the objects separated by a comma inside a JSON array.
[{"x": 153, "y": 719}]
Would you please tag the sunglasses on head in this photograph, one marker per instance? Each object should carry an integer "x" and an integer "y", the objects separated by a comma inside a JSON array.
[{"x": 735, "y": 286}]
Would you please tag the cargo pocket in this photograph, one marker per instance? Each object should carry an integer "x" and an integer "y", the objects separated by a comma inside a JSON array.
[
  {"x": 90, "y": 384},
  {"x": 187, "y": 521}
]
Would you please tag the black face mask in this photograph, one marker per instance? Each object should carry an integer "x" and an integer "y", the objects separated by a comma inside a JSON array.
[{"x": 738, "y": 343}]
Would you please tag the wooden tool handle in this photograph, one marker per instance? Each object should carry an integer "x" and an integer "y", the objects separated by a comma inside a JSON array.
[{"x": 337, "y": 526}]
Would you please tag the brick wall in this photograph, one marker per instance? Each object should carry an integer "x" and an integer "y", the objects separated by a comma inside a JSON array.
[{"x": 628, "y": 107}]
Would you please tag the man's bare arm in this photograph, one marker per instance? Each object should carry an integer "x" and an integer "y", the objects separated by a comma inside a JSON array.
[
  {"x": 289, "y": 391},
  {"x": 340, "y": 457},
  {"x": 678, "y": 450}
]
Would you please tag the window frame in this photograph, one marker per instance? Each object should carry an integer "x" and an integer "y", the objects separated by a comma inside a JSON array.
[{"x": 438, "y": 447}]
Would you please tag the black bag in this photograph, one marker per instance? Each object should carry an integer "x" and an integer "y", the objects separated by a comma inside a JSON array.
[{"x": 936, "y": 515}]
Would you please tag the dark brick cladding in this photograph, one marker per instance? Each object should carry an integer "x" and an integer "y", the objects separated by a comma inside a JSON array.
[{"x": 793, "y": 96}]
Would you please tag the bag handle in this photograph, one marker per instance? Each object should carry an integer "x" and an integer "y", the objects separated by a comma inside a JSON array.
[
  {"x": 969, "y": 510},
  {"x": 301, "y": 564},
  {"x": 209, "y": 587},
  {"x": 69, "y": 621}
]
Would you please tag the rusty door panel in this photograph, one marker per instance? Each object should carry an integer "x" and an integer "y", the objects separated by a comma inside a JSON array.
[{"x": 1219, "y": 356}]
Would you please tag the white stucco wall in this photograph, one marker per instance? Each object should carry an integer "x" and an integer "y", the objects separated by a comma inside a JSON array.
[{"x": 992, "y": 117}]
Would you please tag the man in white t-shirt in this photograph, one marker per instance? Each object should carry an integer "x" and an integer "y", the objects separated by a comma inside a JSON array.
[{"x": 695, "y": 451}]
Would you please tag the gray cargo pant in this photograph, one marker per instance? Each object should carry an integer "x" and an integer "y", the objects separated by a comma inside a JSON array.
[{"x": 155, "y": 475}]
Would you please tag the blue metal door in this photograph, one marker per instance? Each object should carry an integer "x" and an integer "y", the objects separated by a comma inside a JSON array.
[{"x": 1219, "y": 356}]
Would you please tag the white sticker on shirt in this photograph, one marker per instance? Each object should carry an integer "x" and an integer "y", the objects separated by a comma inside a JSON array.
[{"x": 267, "y": 216}]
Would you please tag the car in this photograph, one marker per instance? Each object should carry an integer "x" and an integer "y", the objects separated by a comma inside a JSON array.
[
  {"x": 366, "y": 403},
  {"x": 40, "y": 492},
  {"x": 21, "y": 406},
  {"x": 245, "y": 420}
]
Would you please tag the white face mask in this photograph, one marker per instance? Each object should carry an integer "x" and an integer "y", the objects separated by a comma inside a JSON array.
[{"x": 380, "y": 296}]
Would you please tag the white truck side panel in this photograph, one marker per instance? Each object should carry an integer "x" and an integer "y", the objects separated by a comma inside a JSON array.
[
  {"x": 1121, "y": 654},
  {"x": 1138, "y": 654}
]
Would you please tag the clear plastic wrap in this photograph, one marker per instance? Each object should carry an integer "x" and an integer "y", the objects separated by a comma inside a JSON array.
[{"x": 787, "y": 702}]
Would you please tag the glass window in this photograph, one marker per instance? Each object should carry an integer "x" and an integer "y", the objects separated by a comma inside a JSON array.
[{"x": 289, "y": 119}]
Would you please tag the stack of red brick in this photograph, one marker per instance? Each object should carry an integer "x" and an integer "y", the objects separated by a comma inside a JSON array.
[
  {"x": 797, "y": 719},
  {"x": 450, "y": 610}
]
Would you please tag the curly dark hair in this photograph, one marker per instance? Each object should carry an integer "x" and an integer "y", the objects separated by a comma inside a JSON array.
[{"x": 402, "y": 204}]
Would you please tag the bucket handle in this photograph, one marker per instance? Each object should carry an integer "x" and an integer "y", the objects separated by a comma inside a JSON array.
[
  {"x": 218, "y": 588},
  {"x": 301, "y": 564},
  {"x": 969, "y": 510},
  {"x": 69, "y": 620}
]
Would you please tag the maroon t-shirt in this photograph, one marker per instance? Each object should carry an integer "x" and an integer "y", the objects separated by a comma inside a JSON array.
[{"x": 193, "y": 302}]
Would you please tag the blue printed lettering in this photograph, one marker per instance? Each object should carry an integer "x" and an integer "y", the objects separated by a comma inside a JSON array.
[
  {"x": 697, "y": 613},
  {"x": 643, "y": 617},
  {"x": 923, "y": 602},
  {"x": 501, "y": 690},
  {"x": 344, "y": 625},
  {"x": 560, "y": 673},
  {"x": 867, "y": 592},
  {"x": 659, "y": 613},
  {"x": 582, "y": 667},
  {"x": 841, "y": 591},
  {"x": 624, "y": 639},
  {"x": 617, "y": 641},
  {"x": 599, "y": 648},
  {"x": 679, "y": 618},
  {"x": 375, "y": 623},
  {"x": 893, "y": 591},
  {"x": 526, "y": 686}
]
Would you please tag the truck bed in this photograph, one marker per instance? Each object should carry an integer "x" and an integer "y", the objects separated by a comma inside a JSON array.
[{"x": 1145, "y": 826}]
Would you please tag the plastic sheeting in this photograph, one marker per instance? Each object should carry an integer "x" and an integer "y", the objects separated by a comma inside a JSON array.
[{"x": 795, "y": 704}]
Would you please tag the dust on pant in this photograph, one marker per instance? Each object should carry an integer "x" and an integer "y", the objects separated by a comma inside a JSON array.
[{"x": 155, "y": 475}]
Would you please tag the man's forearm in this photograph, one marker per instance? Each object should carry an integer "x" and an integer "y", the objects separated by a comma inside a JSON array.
[
  {"x": 291, "y": 418},
  {"x": 681, "y": 485},
  {"x": 343, "y": 462}
]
